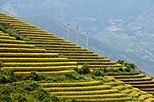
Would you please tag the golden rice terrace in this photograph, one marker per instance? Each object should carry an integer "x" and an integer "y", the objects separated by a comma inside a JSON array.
[{"x": 26, "y": 49}]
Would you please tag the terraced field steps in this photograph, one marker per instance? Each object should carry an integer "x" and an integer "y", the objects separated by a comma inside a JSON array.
[
  {"x": 25, "y": 55},
  {"x": 85, "y": 92},
  {"x": 56, "y": 46},
  {"x": 46, "y": 72},
  {"x": 4, "y": 49},
  {"x": 83, "y": 88},
  {"x": 112, "y": 90},
  {"x": 44, "y": 68},
  {"x": 127, "y": 99},
  {"x": 37, "y": 55},
  {"x": 71, "y": 84},
  {"x": 33, "y": 59},
  {"x": 16, "y": 45},
  {"x": 28, "y": 64},
  {"x": 37, "y": 35},
  {"x": 49, "y": 43},
  {"x": 6, "y": 37},
  {"x": 11, "y": 41},
  {"x": 117, "y": 95}
]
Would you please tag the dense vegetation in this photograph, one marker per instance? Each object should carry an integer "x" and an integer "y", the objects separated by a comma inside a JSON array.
[
  {"x": 7, "y": 29},
  {"x": 22, "y": 91},
  {"x": 7, "y": 77},
  {"x": 29, "y": 89},
  {"x": 82, "y": 74},
  {"x": 26, "y": 91},
  {"x": 127, "y": 65}
]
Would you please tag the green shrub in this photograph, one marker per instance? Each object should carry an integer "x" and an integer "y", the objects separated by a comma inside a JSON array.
[
  {"x": 98, "y": 72},
  {"x": 128, "y": 69},
  {"x": 7, "y": 29},
  {"x": 20, "y": 98},
  {"x": 2, "y": 28},
  {"x": 26, "y": 91},
  {"x": 34, "y": 76},
  {"x": 1, "y": 64},
  {"x": 31, "y": 86},
  {"x": 105, "y": 70},
  {"x": 6, "y": 90},
  {"x": 73, "y": 100},
  {"x": 54, "y": 78},
  {"x": 74, "y": 76},
  {"x": 54, "y": 98},
  {"x": 121, "y": 69},
  {"x": 65, "y": 77},
  {"x": 5, "y": 99},
  {"x": 7, "y": 76},
  {"x": 129, "y": 66},
  {"x": 121, "y": 62},
  {"x": 58, "y": 78},
  {"x": 41, "y": 94},
  {"x": 84, "y": 70}
]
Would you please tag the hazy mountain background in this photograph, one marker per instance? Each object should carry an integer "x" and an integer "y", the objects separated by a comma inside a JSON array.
[{"x": 118, "y": 29}]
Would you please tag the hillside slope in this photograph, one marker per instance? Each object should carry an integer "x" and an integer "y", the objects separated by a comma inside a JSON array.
[
  {"x": 49, "y": 43},
  {"x": 59, "y": 29},
  {"x": 102, "y": 43},
  {"x": 136, "y": 17}
]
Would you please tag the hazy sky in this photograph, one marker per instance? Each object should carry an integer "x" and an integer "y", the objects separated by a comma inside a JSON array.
[{"x": 77, "y": 12}]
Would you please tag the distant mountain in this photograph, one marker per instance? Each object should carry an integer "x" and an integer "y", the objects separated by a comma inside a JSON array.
[{"x": 134, "y": 36}]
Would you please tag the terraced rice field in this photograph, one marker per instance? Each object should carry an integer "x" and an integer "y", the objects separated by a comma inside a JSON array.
[
  {"x": 53, "y": 44},
  {"x": 138, "y": 80},
  {"x": 25, "y": 58},
  {"x": 46, "y": 53},
  {"x": 97, "y": 91}
]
